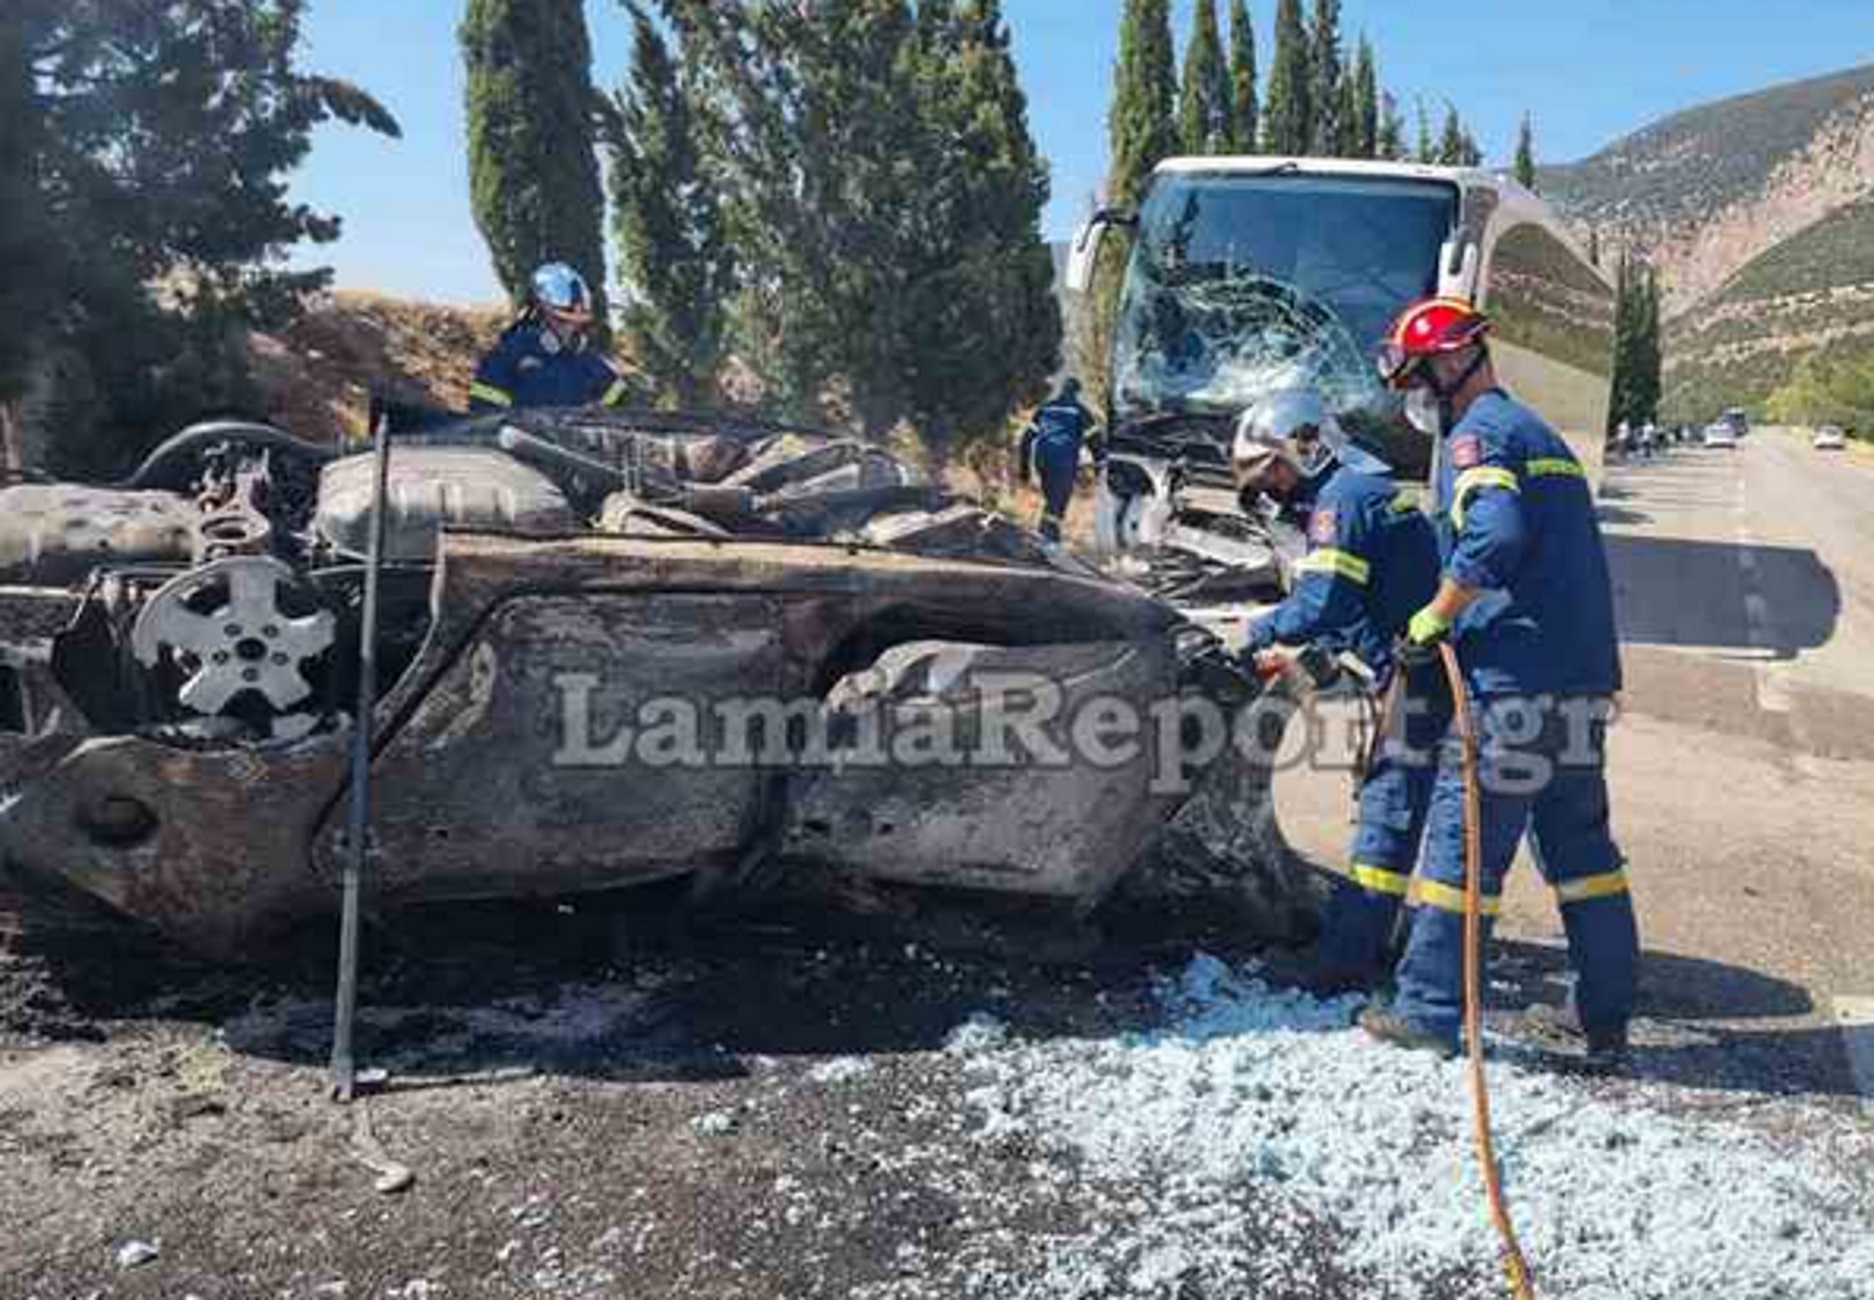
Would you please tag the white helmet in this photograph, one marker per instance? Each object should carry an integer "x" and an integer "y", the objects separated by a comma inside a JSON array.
[{"x": 1294, "y": 426}]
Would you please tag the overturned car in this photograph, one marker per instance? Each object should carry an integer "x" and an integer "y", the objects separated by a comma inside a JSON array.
[{"x": 615, "y": 648}]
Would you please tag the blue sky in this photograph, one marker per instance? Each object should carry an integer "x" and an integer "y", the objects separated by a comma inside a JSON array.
[{"x": 1589, "y": 70}]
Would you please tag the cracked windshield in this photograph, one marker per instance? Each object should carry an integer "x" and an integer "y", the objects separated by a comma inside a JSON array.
[
  {"x": 936, "y": 650},
  {"x": 1241, "y": 286}
]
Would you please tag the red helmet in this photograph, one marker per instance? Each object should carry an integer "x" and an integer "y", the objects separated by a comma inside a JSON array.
[{"x": 1434, "y": 327}]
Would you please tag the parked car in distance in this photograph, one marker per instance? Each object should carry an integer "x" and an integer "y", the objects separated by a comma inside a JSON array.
[
  {"x": 1830, "y": 438},
  {"x": 1720, "y": 434}
]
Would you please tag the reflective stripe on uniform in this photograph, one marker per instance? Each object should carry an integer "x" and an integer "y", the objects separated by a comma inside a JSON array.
[
  {"x": 1378, "y": 880},
  {"x": 1430, "y": 893},
  {"x": 1591, "y": 887},
  {"x": 1555, "y": 467},
  {"x": 1404, "y": 503},
  {"x": 1342, "y": 564},
  {"x": 481, "y": 392},
  {"x": 617, "y": 393},
  {"x": 1476, "y": 480}
]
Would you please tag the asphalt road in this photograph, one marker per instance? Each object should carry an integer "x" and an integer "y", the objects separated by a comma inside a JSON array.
[{"x": 1742, "y": 768}]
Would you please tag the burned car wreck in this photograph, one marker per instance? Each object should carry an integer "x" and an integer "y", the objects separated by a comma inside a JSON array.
[{"x": 615, "y": 648}]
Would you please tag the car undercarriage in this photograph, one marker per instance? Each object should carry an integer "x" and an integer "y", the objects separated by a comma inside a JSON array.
[{"x": 615, "y": 648}]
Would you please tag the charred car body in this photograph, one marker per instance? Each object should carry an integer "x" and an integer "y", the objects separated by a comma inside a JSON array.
[{"x": 616, "y": 648}]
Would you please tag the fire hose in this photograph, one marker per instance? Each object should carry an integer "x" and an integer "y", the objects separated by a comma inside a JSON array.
[{"x": 1515, "y": 1264}]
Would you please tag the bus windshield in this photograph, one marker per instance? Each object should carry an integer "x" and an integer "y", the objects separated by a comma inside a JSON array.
[{"x": 1240, "y": 285}]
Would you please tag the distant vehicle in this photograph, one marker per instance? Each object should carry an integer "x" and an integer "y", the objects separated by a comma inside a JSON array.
[
  {"x": 1739, "y": 420},
  {"x": 1720, "y": 434},
  {"x": 1252, "y": 274},
  {"x": 1830, "y": 438}
]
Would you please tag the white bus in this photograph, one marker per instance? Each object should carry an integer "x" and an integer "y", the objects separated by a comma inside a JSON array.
[{"x": 1252, "y": 274}]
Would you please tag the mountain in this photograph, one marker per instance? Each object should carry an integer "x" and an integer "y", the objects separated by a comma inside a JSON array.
[{"x": 1759, "y": 213}]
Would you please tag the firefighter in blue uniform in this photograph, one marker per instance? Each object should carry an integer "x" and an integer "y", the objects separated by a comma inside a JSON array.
[
  {"x": 1372, "y": 561},
  {"x": 1525, "y": 597},
  {"x": 546, "y": 358},
  {"x": 1050, "y": 450}
]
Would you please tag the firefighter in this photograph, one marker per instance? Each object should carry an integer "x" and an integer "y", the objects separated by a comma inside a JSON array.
[
  {"x": 1526, "y": 600},
  {"x": 546, "y": 357},
  {"x": 1372, "y": 560},
  {"x": 1050, "y": 449}
]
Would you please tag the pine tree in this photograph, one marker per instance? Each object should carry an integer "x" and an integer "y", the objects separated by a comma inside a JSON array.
[
  {"x": 1390, "y": 144},
  {"x": 885, "y": 196},
  {"x": 984, "y": 328},
  {"x": 1243, "y": 104},
  {"x": 1141, "y": 125},
  {"x": 1329, "y": 134},
  {"x": 144, "y": 146},
  {"x": 675, "y": 266},
  {"x": 1288, "y": 113},
  {"x": 30, "y": 289},
  {"x": 1526, "y": 154},
  {"x": 1366, "y": 103},
  {"x": 532, "y": 124},
  {"x": 1204, "y": 110}
]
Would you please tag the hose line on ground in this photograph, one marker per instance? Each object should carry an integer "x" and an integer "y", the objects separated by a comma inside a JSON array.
[{"x": 1515, "y": 1265}]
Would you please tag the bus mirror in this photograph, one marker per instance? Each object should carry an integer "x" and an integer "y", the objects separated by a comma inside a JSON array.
[
  {"x": 1457, "y": 269},
  {"x": 1083, "y": 256}
]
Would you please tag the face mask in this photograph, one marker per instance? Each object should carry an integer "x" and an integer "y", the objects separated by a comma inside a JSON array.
[{"x": 1424, "y": 412}]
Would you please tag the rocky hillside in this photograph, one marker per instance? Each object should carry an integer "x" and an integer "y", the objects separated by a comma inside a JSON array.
[
  {"x": 1759, "y": 213},
  {"x": 1814, "y": 292},
  {"x": 1705, "y": 191}
]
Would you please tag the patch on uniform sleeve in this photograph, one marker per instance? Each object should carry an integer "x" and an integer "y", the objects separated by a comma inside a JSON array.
[
  {"x": 1322, "y": 528},
  {"x": 1467, "y": 452}
]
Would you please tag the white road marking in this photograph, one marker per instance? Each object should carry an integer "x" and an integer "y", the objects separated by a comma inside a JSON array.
[
  {"x": 1855, "y": 1018},
  {"x": 1772, "y": 690}
]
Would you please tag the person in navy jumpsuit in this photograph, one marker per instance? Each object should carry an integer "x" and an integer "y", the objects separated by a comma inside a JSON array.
[
  {"x": 1372, "y": 561},
  {"x": 1526, "y": 599},
  {"x": 546, "y": 358},
  {"x": 1050, "y": 450}
]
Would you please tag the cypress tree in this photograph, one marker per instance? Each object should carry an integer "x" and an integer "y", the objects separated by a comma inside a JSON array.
[
  {"x": 1329, "y": 133},
  {"x": 1366, "y": 102},
  {"x": 1141, "y": 130},
  {"x": 1141, "y": 125},
  {"x": 1204, "y": 111},
  {"x": 1348, "y": 114},
  {"x": 1425, "y": 150},
  {"x": 676, "y": 270},
  {"x": 1243, "y": 105},
  {"x": 1288, "y": 113},
  {"x": 1594, "y": 246},
  {"x": 1470, "y": 153},
  {"x": 1451, "y": 144},
  {"x": 1390, "y": 142},
  {"x": 1526, "y": 154},
  {"x": 532, "y": 124}
]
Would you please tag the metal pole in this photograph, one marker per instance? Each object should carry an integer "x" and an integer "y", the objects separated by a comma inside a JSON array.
[{"x": 344, "y": 1065}]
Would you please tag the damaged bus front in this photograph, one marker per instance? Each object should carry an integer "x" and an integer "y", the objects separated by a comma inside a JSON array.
[{"x": 1250, "y": 275}]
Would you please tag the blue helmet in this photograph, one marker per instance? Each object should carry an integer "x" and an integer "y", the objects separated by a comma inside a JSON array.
[{"x": 559, "y": 289}]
